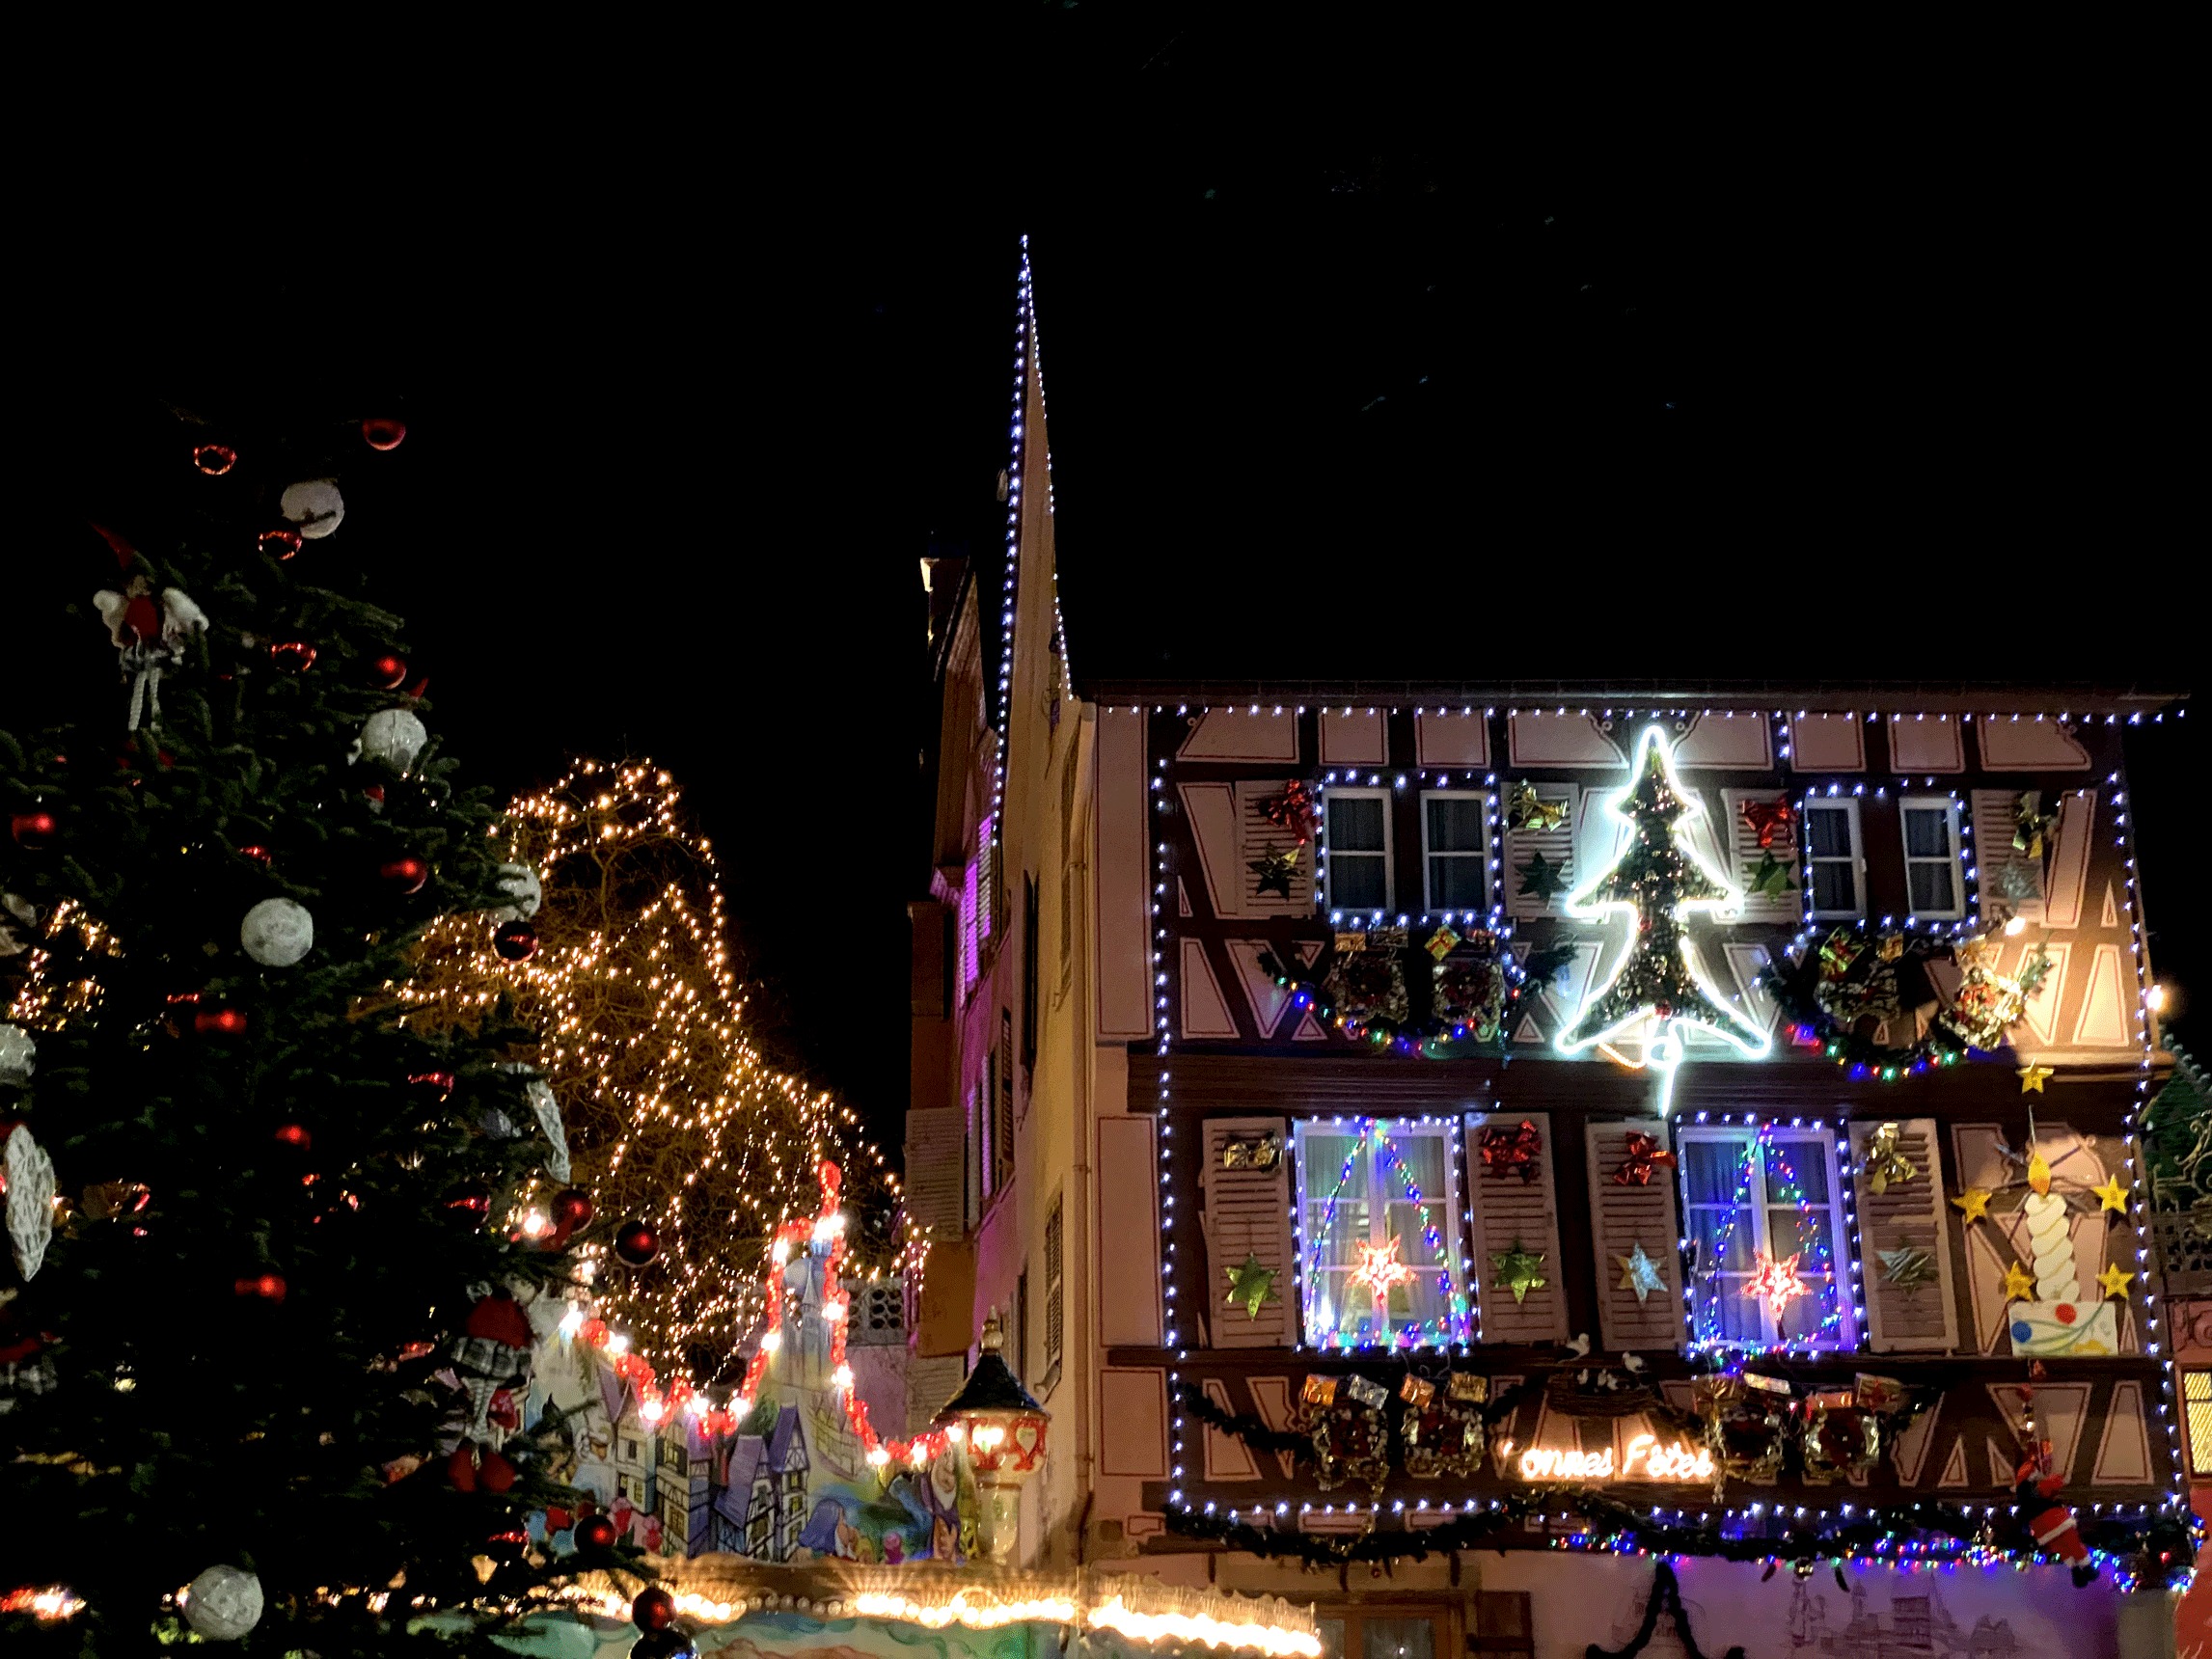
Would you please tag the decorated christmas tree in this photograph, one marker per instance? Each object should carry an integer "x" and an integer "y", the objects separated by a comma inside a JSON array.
[{"x": 269, "y": 1315}]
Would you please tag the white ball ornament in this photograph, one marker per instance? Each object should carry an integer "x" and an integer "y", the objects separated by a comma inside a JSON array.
[
  {"x": 315, "y": 505},
  {"x": 223, "y": 1603},
  {"x": 520, "y": 882},
  {"x": 19, "y": 1054},
  {"x": 277, "y": 932},
  {"x": 394, "y": 737}
]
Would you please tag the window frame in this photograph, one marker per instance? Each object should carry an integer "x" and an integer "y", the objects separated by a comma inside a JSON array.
[
  {"x": 1486, "y": 855},
  {"x": 1451, "y": 1228},
  {"x": 1845, "y": 1270},
  {"x": 1848, "y": 806},
  {"x": 1364, "y": 792},
  {"x": 1949, "y": 806},
  {"x": 1054, "y": 1274},
  {"x": 2199, "y": 1446}
]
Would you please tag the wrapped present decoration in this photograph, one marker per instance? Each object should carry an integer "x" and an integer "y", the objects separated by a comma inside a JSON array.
[
  {"x": 1417, "y": 1392},
  {"x": 1361, "y": 1390},
  {"x": 1318, "y": 1391},
  {"x": 1466, "y": 1388}
]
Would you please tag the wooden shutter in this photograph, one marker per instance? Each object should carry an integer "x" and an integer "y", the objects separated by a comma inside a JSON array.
[
  {"x": 1248, "y": 1213},
  {"x": 2001, "y": 866},
  {"x": 1622, "y": 1217},
  {"x": 1505, "y": 1211},
  {"x": 1746, "y": 855},
  {"x": 1558, "y": 849},
  {"x": 1905, "y": 1214},
  {"x": 1257, "y": 837}
]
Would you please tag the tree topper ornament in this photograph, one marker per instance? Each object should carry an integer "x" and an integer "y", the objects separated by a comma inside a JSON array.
[{"x": 147, "y": 630}]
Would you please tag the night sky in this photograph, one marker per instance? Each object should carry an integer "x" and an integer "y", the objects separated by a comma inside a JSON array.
[{"x": 1385, "y": 406}]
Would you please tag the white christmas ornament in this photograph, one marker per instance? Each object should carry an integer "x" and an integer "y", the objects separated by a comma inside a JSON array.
[
  {"x": 277, "y": 932},
  {"x": 548, "y": 1111},
  {"x": 18, "y": 925},
  {"x": 223, "y": 1603},
  {"x": 19, "y": 1054},
  {"x": 29, "y": 1183},
  {"x": 520, "y": 882},
  {"x": 394, "y": 737},
  {"x": 315, "y": 505}
]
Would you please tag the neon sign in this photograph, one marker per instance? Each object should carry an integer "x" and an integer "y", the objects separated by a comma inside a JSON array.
[{"x": 1644, "y": 1460}]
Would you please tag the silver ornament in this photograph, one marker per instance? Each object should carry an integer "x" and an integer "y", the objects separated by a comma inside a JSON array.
[
  {"x": 223, "y": 1603},
  {"x": 520, "y": 882},
  {"x": 19, "y": 1054},
  {"x": 277, "y": 932},
  {"x": 30, "y": 1201},
  {"x": 394, "y": 737},
  {"x": 540, "y": 1094},
  {"x": 315, "y": 505}
]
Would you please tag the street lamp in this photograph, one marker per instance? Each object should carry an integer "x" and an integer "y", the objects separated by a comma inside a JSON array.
[{"x": 1001, "y": 1432}]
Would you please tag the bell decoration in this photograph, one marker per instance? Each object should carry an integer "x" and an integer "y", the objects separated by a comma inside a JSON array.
[{"x": 1002, "y": 1431}]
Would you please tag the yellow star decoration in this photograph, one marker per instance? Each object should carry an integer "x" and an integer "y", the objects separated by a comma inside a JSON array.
[
  {"x": 2113, "y": 1194},
  {"x": 2114, "y": 1279},
  {"x": 1974, "y": 1201},
  {"x": 2019, "y": 1284},
  {"x": 2031, "y": 1078}
]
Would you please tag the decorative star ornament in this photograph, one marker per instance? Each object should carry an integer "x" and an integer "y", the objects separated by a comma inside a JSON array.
[
  {"x": 2114, "y": 1279},
  {"x": 1771, "y": 878},
  {"x": 1640, "y": 1273},
  {"x": 2019, "y": 1284},
  {"x": 1276, "y": 870},
  {"x": 2031, "y": 1078},
  {"x": 2111, "y": 1195},
  {"x": 1379, "y": 1268},
  {"x": 1775, "y": 1282},
  {"x": 1519, "y": 1272},
  {"x": 1252, "y": 1284},
  {"x": 1974, "y": 1201},
  {"x": 1540, "y": 878},
  {"x": 1908, "y": 1268}
]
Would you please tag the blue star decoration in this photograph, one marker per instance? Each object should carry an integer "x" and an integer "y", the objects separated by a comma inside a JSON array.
[{"x": 1640, "y": 1273}]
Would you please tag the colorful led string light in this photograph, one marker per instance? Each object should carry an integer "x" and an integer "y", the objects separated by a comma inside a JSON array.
[{"x": 1451, "y": 1327}]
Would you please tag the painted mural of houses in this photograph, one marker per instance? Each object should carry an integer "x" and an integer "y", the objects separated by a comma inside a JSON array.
[{"x": 762, "y": 1504}]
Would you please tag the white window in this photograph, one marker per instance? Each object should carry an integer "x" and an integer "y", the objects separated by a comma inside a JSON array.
[
  {"x": 1381, "y": 1197},
  {"x": 1359, "y": 849},
  {"x": 1455, "y": 850},
  {"x": 1759, "y": 1201},
  {"x": 1835, "y": 868},
  {"x": 1932, "y": 885}
]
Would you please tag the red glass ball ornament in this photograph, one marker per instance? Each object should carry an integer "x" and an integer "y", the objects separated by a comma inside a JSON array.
[
  {"x": 293, "y": 656},
  {"x": 507, "y": 1546},
  {"x": 282, "y": 544},
  {"x": 438, "y": 1084},
  {"x": 214, "y": 460},
  {"x": 637, "y": 1245},
  {"x": 572, "y": 1209},
  {"x": 461, "y": 1468},
  {"x": 495, "y": 1474},
  {"x": 471, "y": 1198},
  {"x": 268, "y": 1286},
  {"x": 220, "y": 1021},
  {"x": 32, "y": 830},
  {"x": 255, "y": 850},
  {"x": 595, "y": 1533},
  {"x": 294, "y": 1135},
  {"x": 387, "y": 671},
  {"x": 655, "y": 1609},
  {"x": 380, "y": 432},
  {"x": 515, "y": 941},
  {"x": 406, "y": 875}
]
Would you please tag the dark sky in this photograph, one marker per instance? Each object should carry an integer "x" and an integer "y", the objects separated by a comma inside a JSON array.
[{"x": 1606, "y": 396}]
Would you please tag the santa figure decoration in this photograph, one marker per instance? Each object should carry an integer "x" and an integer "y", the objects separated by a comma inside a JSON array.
[{"x": 147, "y": 629}]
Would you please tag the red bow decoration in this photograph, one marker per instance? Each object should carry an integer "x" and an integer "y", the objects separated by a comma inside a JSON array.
[
  {"x": 1644, "y": 1154},
  {"x": 1294, "y": 809},
  {"x": 1508, "y": 1152},
  {"x": 1772, "y": 819}
]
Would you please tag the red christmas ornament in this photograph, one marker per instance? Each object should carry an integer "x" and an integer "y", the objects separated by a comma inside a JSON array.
[
  {"x": 220, "y": 1021},
  {"x": 214, "y": 460},
  {"x": 471, "y": 1198},
  {"x": 256, "y": 852},
  {"x": 507, "y": 1546},
  {"x": 438, "y": 1084},
  {"x": 374, "y": 794},
  {"x": 461, "y": 1468},
  {"x": 637, "y": 1245},
  {"x": 496, "y": 1474},
  {"x": 268, "y": 1287},
  {"x": 654, "y": 1609},
  {"x": 383, "y": 433},
  {"x": 282, "y": 544},
  {"x": 294, "y": 1135},
  {"x": 387, "y": 671},
  {"x": 293, "y": 656},
  {"x": 1643, "y": 1154},
  {"x": 406, "y": 875},
  {"x": 32, "y": 830},
  {"x": 572, "y": 1209},
  {"x": 515, "y": 941},
  {"x": 595, "y": 1533}
]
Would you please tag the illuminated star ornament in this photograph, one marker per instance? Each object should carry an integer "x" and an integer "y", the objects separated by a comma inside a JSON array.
[
  {"x": 2111, "y": 1195},
  {"x": 1251, "y": 1283},
  {"x": 1775, "y": 1282},
  {"x": 1379, "y": 1268},
  {"x": 1656, "y": 881},
  {"x": 1640, "y": 1273},
  {"x": 1519, "y": 1272}
]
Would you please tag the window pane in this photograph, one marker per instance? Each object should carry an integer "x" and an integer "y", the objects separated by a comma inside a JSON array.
[
  {"x": 1397, "y": 1639},
  {"x": 1724, "y": 1239},
  {"x": 1797, "y": 1170},
  {"x": 1931, "y": 886},
  {"x": 1712, "y": 1170},
  {"x": 1927, "y": 832},
  {"x": 1355, "y": 882},
  {"x": 1355, "y": 823},
  {"x": 1834, "y": 887},
  {"x": 1830, "y": 831},
  {"x": 1455, "y": 826},
  {"x": 1331, "y": 1632},
  {"x": 1458, "y": 884}
]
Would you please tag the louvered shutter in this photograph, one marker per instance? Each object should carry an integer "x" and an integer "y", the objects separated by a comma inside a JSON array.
[
  {"x": 2011, "y": 880},
  {"x": 1248, "y": 1213},
  {"x": 1622, "y": 1217},
  {"x": 1558, "y": 849},
  {"x": 1746, "y": 855},
  {"x": 1257, "y": 837},
  {"x": 1906, "y": 1215},
  {"x": 1506, "y": 1212}
]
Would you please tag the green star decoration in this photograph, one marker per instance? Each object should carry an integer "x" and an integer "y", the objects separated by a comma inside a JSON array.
[
  {"x": 1908, "y": 1268},
  {"x": 1542, "y": 878},
  {"x": 1640, "y": 1273},
  {"x": 1276, "y": 870},
  {"x": 1771, "y": 878},
  {"x": 1519, "y": 1272},
  {"x": 1251, "y": 1283}
]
